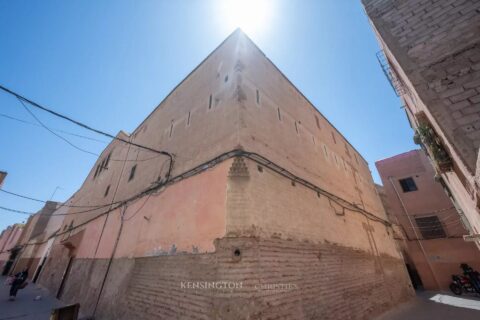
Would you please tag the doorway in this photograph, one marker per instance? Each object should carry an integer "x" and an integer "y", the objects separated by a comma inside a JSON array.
[
  {"x": 64, "y": 277},
  {"x": 414, "y": 277},
  {"x": 39, "y": 270}
]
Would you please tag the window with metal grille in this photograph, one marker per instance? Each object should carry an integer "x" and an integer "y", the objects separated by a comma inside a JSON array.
[
  {"x": 408, "y": 184},
  {"x": 430, "y": 227}
]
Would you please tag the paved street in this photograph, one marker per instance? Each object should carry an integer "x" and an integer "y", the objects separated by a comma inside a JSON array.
[
  {"x": 422, "y": 308},
  {"x": 25, "y": 307}
]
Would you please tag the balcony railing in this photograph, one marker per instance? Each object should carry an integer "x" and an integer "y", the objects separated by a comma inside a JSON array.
[{"x": 390, "y": 74}]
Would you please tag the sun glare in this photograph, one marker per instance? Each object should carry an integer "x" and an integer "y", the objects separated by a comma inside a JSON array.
[{"x": 252, "y": 16}]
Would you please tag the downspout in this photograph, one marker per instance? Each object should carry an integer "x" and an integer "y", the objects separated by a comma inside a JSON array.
[
  {"x": 415, "y": 232},
  {"x": 113, "y": 200},
  {"x": 124, "y": 209}
]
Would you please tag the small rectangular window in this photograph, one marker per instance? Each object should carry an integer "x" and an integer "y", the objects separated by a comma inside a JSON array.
[
  {"x": 318, "y": 122},
  {"x": 171, "y": 129},
  {"x": 296, "y": 127},
  {"x": 107, "y": 161},
  {"x": 96, "y": 172},
  {"x": 106, "y": 191},
  {"x": 279, "y": 115},
  {"x": 132, "y": 173},
  {"x": 210, "y": 102},
  {"x": 347, "y": 152},
  {"x": 258, "y": 97},
  {"x": 188, "y": 119},
  {"x": 430, "y": 227},
  {"x": 408, "y": 184}
]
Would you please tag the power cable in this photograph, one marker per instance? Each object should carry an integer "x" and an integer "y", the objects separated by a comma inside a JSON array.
[
  {"x": 71, "y": 143},
  {"x": 53, "y": 132},
  {"x": 45, "y": 201},
  {"x": 256, "y": 158},
  {"x": 78, "y": 123},
  {"x": 16, "y": 211},
  {"x": 6, "y": 116}
]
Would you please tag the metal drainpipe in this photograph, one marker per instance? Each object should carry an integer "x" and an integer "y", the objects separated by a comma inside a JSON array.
[
  {"x": 415, "y": 232},
  {"x": 124, "y": 209}
]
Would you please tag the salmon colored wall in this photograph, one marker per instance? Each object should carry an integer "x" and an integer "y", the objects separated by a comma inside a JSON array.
[
  {"x": 444, "y": 255},
  {"x": 189, "y": 215},
  {"x": 301, "y": 139},
  {"x": 185, "y": 125},
  {"x": 9, "y": 239},
  {"x": 424, "y": 89},
  {"x": 270, "y": 206}
]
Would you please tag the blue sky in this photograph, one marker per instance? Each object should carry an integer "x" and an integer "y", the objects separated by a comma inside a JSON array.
[{"x": 109, "y": 63}]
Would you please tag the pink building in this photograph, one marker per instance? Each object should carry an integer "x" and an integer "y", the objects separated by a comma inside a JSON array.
[
  {"x": 2, "y": 177},
  {"x": 433, "y": 228},
  {"x": 263, "y": 193},
  {"x": 9, "y": 249},
  {"x": 431, "y": 55}
]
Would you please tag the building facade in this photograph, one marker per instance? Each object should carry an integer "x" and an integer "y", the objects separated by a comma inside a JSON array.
[
  {"x": 3, "y": 175},
  {"x": 263, "y": 209},
  {"x": 32, "y": 236},
  {"x": 431, "y": 55},
  {"x": 433, "y": 245},
  {"x": 38, "y": 243},
  {"x": 9, "y": 247}
]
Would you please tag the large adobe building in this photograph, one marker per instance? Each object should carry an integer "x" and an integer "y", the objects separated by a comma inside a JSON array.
[
  {"x": 264, "y": 197},
  {"x": 431, "y": 54}
]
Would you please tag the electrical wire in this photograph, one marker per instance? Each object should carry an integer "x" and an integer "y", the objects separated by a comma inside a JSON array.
[
  {"x": 53, "y": 132},
  {"x": 139, "y": 208},
  {"x": 71, "y": 143},
  {"x": 45, "y": 201},
  {"x": 16, "y": 211},
  {"x": 6, "y": 116},
  {"x": 207, "y": 165},
  {"x": 227, "y": 155},
  {"x": 22, "y": 196},
  {"x": 78, "y": 123}
]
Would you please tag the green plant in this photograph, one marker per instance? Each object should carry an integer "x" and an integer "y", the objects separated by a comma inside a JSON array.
[{"x": 426, "y": 135}]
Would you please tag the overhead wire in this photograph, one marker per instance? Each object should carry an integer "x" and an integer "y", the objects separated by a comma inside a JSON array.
[
  {"x": 71, "y": 143},
  {"x": 200, "y": 168},
  {"x": 6, "y": 116},
  {"x": 15, "y": 210},
  {"x": 45, "y": 201},
  {"x": 256, "y": 158},
  {"x": 87, "y": 127},
  {"x": 53, "y": 132}
]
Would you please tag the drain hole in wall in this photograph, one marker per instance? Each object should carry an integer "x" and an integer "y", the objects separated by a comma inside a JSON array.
[{"x": 237, "y": 255}]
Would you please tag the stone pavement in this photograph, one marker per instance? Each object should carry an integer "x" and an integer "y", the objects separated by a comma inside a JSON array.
[
  {"x": 422, "y": 308},
  {"x": 25, "y": 307}
]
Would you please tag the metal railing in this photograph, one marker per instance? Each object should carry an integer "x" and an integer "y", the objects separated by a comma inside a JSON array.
[{"x": 391, "y": 75}]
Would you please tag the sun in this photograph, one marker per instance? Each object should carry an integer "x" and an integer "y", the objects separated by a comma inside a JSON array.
[{"x": 252, "y": 16}]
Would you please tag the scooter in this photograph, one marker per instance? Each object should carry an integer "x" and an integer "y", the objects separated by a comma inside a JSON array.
[{"x": 461, "y": 284}]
